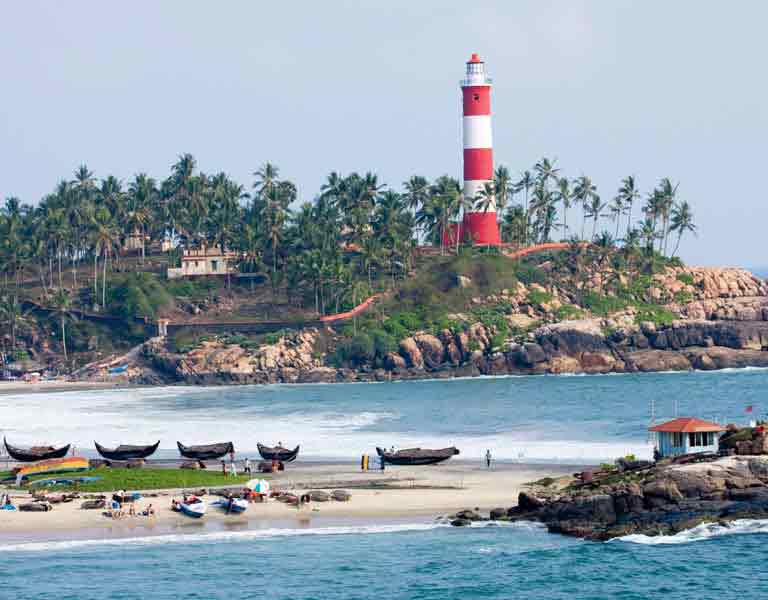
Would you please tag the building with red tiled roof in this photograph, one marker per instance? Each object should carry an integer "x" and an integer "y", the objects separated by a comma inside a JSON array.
[{"x": 686, "y": 435}]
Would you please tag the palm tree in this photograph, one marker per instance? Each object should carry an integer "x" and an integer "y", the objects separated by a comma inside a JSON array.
[
  {"x": 416, "y": 194},
  {"x": 525, "y": 184},
  {"x": 565, "y": 196},
  {"x": 62, "y": 303},
  {"x": 12, "y": 312},
  {"x": 682, "y": 221},
  {"x": 502, "y": 185},
  {"x": 616, "y": 208},
  {"x": 545, "y": 170},
  {"x": 668, "y": 192},
  {"x": 514, "y": 225},
  {"x": 584, "y": 192},
  {"x": 594, "y": 210},
  {"x": 486, "y": 197},
  {"x": 628, "y": 194}
]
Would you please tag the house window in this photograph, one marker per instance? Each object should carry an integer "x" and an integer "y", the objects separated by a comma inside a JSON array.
[
  {"x": 677, "y": 439},
  {"x": 699, "y": 439},
  {"x": 214, "y": 265}
]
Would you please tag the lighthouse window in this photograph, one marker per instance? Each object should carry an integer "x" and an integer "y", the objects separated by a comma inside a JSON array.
[{"x": 476, "y": 97}]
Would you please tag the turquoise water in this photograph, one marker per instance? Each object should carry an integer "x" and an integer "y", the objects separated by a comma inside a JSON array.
[
  {"x": 566, "y": 419},
  {"x": 504, "y": 562}
]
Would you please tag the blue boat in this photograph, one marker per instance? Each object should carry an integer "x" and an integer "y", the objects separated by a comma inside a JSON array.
[
  {"x": 195, "y": 509},
  {"x": 234, "y": 506}
]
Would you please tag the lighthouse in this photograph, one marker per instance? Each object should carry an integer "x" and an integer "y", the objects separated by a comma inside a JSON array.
[{"x": 479, "y": 225}]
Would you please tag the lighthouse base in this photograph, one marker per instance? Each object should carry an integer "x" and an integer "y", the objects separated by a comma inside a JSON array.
[{"x": 477, "y": 228}]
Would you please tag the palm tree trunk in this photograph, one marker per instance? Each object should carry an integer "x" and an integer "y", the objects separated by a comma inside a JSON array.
[
  {"x": 95, "y": 278},
  {"x": 677, "y": 244},
  {"x": 63, "y": 337},
  {"x": 104, "y": 282},
  {"x": 629, "y": 218}
]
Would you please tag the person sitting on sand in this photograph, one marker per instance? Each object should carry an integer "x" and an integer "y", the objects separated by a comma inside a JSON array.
[{"x": 174, "y": 505}]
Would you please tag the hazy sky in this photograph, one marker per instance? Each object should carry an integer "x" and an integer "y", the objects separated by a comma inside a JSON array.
[{"x": 608, "y": 88}]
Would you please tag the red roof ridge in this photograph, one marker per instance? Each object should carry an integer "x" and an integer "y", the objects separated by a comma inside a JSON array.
[{"x": 687, "y": 425}]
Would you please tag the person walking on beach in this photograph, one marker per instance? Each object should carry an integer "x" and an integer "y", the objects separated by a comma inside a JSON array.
[
  {"x": 488, "y": 458},
  {"x": 247, "y": 466}
]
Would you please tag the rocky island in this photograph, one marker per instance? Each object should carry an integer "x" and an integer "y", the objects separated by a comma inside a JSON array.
[{"x": 638, "y": 497}]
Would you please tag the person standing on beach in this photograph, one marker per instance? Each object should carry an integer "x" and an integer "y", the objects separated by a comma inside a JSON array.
[
  {"x": 488, "y": 458},
  {"x": 247, "y": 466}
]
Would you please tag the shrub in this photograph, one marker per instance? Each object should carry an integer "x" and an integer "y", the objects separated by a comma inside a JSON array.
[
  {"x": 528, "y": 274},
  {"x": 683, "y": 297},
  {"x": 685, "y": 278},
  {"x": 137, "y": 295},
  {"x": 383, "y": 343},
  {"x": 539, "y": 297}
]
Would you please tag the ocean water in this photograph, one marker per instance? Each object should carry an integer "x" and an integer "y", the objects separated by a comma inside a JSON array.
[
  {"x": 562, "y": 419},
  {"x": 417, "y": 561},
  {"x": 570, "y": 419}
]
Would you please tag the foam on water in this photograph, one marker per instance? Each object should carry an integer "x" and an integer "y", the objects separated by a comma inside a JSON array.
[
  {"x": 254, "y": 534},
  {"x": 576, "y": 420},
  {"x": 702, "y": 532}
]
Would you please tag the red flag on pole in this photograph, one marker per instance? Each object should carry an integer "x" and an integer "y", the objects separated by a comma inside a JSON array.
[{"x": 748, "y": 409}]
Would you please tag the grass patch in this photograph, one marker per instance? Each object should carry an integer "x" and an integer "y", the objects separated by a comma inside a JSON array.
[
  {"x": 604, "y": 305},
  {"x": 568, "y": 312},
  {"x": 655, "y": 314},
  {"x": 142, "y": 479}
]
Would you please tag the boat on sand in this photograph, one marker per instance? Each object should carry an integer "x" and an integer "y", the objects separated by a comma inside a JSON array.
[
  {"x": 231, "y": 506},
  {"x": 207, "y": 451},
  {"x": 126, "y": 452},
  {"x": 417, "y": 456},
  {"x": 35, "y": 452},
  {"x": 193, "y": 507},
  {"x": 278, "y": 453}
]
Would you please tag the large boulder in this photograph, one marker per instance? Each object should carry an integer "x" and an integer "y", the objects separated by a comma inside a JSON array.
[
  {"x": 657, "y": 360},
  {"x": 661, "y": 492},
  {"x": 432, "y": 350},
  {"x": 411, "y": 352},
  {"x": 394, "y": 362}
]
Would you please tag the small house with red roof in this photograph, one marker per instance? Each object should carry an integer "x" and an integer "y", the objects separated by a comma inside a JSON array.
[{"x": 686, "y": 435}]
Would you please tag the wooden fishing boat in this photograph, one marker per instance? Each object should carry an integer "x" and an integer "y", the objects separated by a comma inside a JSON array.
[
  {"x": 278, "y": 453},
  {"x": 233, "y": 506},
  {"x": 35, "y": 452},
  {"x": 126, "y": 452},
  {"x": 194, "y": 508},
  {"x": 207, "y": 451},
  {"x": 417, "y": 456}
]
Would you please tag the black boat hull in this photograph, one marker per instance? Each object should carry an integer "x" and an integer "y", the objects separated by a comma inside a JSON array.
[
  {"x": 22, "y": 455},
  {"x": 126, "y": 452},
  {"x": 281, "y": 454},
  {"x": 209, "y": 452},
  {"x": 419, "y": 459}
]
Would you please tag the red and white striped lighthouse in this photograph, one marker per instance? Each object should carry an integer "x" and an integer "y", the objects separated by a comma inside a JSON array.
[{"x": 480, "y": 225}]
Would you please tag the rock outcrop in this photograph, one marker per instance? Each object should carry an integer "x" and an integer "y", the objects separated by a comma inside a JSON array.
[{"x": 660, "y": 500}]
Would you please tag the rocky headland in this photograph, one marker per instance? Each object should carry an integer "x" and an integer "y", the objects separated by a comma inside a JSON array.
[
  {"x": 720, "y": 320},
  {"x": 638, "y": 497}
]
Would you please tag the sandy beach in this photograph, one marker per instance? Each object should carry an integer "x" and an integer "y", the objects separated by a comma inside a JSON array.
[
  {"x": 398, "y": 492},
  {"x": 56, "y": 385}
]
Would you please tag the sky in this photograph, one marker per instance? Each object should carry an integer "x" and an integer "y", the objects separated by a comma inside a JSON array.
[{"x": 607, "y": 88}]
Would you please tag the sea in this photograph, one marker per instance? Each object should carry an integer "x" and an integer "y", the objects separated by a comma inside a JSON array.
[{"x": 544, "y": 419}]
